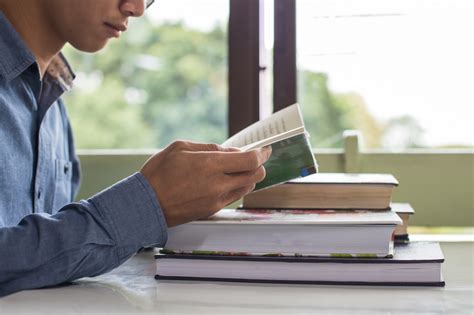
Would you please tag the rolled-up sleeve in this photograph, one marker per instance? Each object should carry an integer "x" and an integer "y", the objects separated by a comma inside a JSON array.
[{"x": 83, "y": 239}]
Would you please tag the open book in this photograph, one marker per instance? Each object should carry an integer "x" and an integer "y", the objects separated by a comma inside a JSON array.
[{"x": 291, "y": 151}]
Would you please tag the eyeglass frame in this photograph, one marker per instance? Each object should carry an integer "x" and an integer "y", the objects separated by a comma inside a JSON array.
[{"x": 148, "y": 3}]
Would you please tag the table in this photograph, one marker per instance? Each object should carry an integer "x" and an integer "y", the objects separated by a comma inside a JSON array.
[{"x": 131, "y": 289}]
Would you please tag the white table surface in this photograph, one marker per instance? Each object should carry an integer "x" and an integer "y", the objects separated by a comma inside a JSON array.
[{"x": 131, "y": 289}]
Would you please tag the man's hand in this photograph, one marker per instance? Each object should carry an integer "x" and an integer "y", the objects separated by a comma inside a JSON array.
[{"x": 194, "y": 180}]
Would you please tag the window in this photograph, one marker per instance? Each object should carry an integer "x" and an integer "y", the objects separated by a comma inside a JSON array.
[
  {"x": 400, "y": 71},
  {"x": 165, "y": 79}
]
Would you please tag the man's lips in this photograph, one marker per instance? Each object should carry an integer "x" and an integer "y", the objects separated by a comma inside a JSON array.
[{"x": 114, "y": 30}]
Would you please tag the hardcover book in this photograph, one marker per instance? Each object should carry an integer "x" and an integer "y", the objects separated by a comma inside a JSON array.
[
  {"x": 327, "y": 191},
  {"x": 404, "y": 211},
  {"x": 291, "y": 151},
  {"x": 414, "y": 264},
  {"x": 290, "y": 232}
]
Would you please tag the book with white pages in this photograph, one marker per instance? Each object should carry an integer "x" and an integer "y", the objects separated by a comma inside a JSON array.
[
  {"x": 284, "y": 131},
  {"x": 328, "y": 191},
  {"x": 414, "y": 264},
  {"x": 359, "y": 233}
]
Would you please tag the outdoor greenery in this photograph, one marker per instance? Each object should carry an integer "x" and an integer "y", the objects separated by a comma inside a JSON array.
[
  {"x": 163, "y": 82},
  {"x": 328, "y": 114},
  {"x": 155, "y": 85}
]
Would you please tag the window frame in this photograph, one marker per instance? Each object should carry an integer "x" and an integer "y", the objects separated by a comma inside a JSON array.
[
  {"x": 435, "y": 182},
  {"x": 244, "y": 64}
]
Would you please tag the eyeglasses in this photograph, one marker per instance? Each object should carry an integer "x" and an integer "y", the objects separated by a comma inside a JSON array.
[{"x": 148, "y": 3}]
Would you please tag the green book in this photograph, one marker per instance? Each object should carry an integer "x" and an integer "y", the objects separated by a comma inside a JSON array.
[{"x": 291, "y": 150}]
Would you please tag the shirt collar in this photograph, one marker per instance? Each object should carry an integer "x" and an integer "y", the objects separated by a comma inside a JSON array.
[
  {"x": 17, "y": 58},
  {"x": 60, "y": 71}
]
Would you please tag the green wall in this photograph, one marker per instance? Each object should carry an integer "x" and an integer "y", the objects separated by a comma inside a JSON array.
[{"x": 438, "y": 184}]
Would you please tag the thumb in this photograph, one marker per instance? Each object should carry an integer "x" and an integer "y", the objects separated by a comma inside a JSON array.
[
  {"x": 230, "y": 149},
  {"x": 196, "y": 146}
]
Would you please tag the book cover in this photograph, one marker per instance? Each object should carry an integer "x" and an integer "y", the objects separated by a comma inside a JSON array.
[{"x": 291, "y": 158}]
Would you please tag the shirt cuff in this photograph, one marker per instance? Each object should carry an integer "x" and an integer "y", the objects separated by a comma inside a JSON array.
[{"x": 133, "y": 210}]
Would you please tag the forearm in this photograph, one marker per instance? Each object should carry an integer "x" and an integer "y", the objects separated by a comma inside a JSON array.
[{"x": 83, "y": 239}]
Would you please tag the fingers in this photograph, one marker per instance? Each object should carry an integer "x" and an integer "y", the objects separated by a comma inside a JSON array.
[
  {"x": 196, "y": 146},
  {"x": 214, "y": 187},
  {"x": 227, "y": 186},
  {"x": 237, "y": 180},
  {"x": 226, "y": 160},
  {"x": 181, "y": 145},
  {"x": 230, "y": 149},
  {"x": 235, "y": 195},
  {"x": 236, "y": 162},
  {"x": 193, "y": 180}
]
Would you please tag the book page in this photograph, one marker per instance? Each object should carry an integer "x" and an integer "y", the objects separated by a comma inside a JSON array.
[
  {"x": 281, "y": 125},
  {"x": 306, "y": 216},
  {"x": 345, "y": 178}
]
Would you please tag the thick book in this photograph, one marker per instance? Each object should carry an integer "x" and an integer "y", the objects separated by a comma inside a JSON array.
[
  {"x": 327, "y": 191},
  {"x": 414, "y": 264},
  {"x": 290, "y": 232},
  {"x": 284, "y": 131},
  {"x": 404, "y": 211}
]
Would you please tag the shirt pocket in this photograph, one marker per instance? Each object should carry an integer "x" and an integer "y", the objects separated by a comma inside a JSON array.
[{"x": 62, "y": 189}]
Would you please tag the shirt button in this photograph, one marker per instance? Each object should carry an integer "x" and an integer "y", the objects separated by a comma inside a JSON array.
[
  {"x": 66, "y": 168},
  {"x": 38, "y": 195}
]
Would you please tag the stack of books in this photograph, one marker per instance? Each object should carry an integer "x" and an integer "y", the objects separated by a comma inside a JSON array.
[
  {"x": 317, "y": 229},
  {"x": 341, "y": 191},
  {"x": 297, "y": 241}
]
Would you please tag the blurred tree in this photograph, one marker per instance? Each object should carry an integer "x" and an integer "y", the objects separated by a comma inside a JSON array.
[
  {"x": 403, "y": 132},
  {"x": 163, "y": 82},
  {"x": 358, "y": 117},
  {"x": 157, "y": 84},
  {"x": 327, "y": 114},
  {"x": 102, "y": 118}
]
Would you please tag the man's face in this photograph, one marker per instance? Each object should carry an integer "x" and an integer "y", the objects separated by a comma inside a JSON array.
[{"x": 88, "y": 24}]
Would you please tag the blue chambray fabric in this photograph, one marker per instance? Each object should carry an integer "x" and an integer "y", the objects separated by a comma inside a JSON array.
[{"x": 45, "y": 238}]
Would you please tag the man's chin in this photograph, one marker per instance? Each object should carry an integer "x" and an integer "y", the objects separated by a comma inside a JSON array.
[{"x": 90, "y": 47}]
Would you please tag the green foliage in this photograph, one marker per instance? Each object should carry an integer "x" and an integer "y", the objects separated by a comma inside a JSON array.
[
  {"x": 165, "y": 82},
  {"x": 403, "y": 132},
  {"x": 102, "y": 119},
  {"x": 155, "y": 85},
  {"x": 328, "y": 114},
  {"x": 358, "y": 117},
  {"x": 323, "y": 119}
]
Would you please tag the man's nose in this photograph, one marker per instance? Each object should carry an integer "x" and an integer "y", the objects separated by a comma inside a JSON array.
[{"x": 133, "y": 8}]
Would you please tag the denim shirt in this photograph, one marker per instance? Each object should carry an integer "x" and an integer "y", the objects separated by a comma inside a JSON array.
[{"x": 45, "y": 238}]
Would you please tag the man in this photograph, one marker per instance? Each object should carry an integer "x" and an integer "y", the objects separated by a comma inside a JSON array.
[{"x": 39, "y": 171}]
